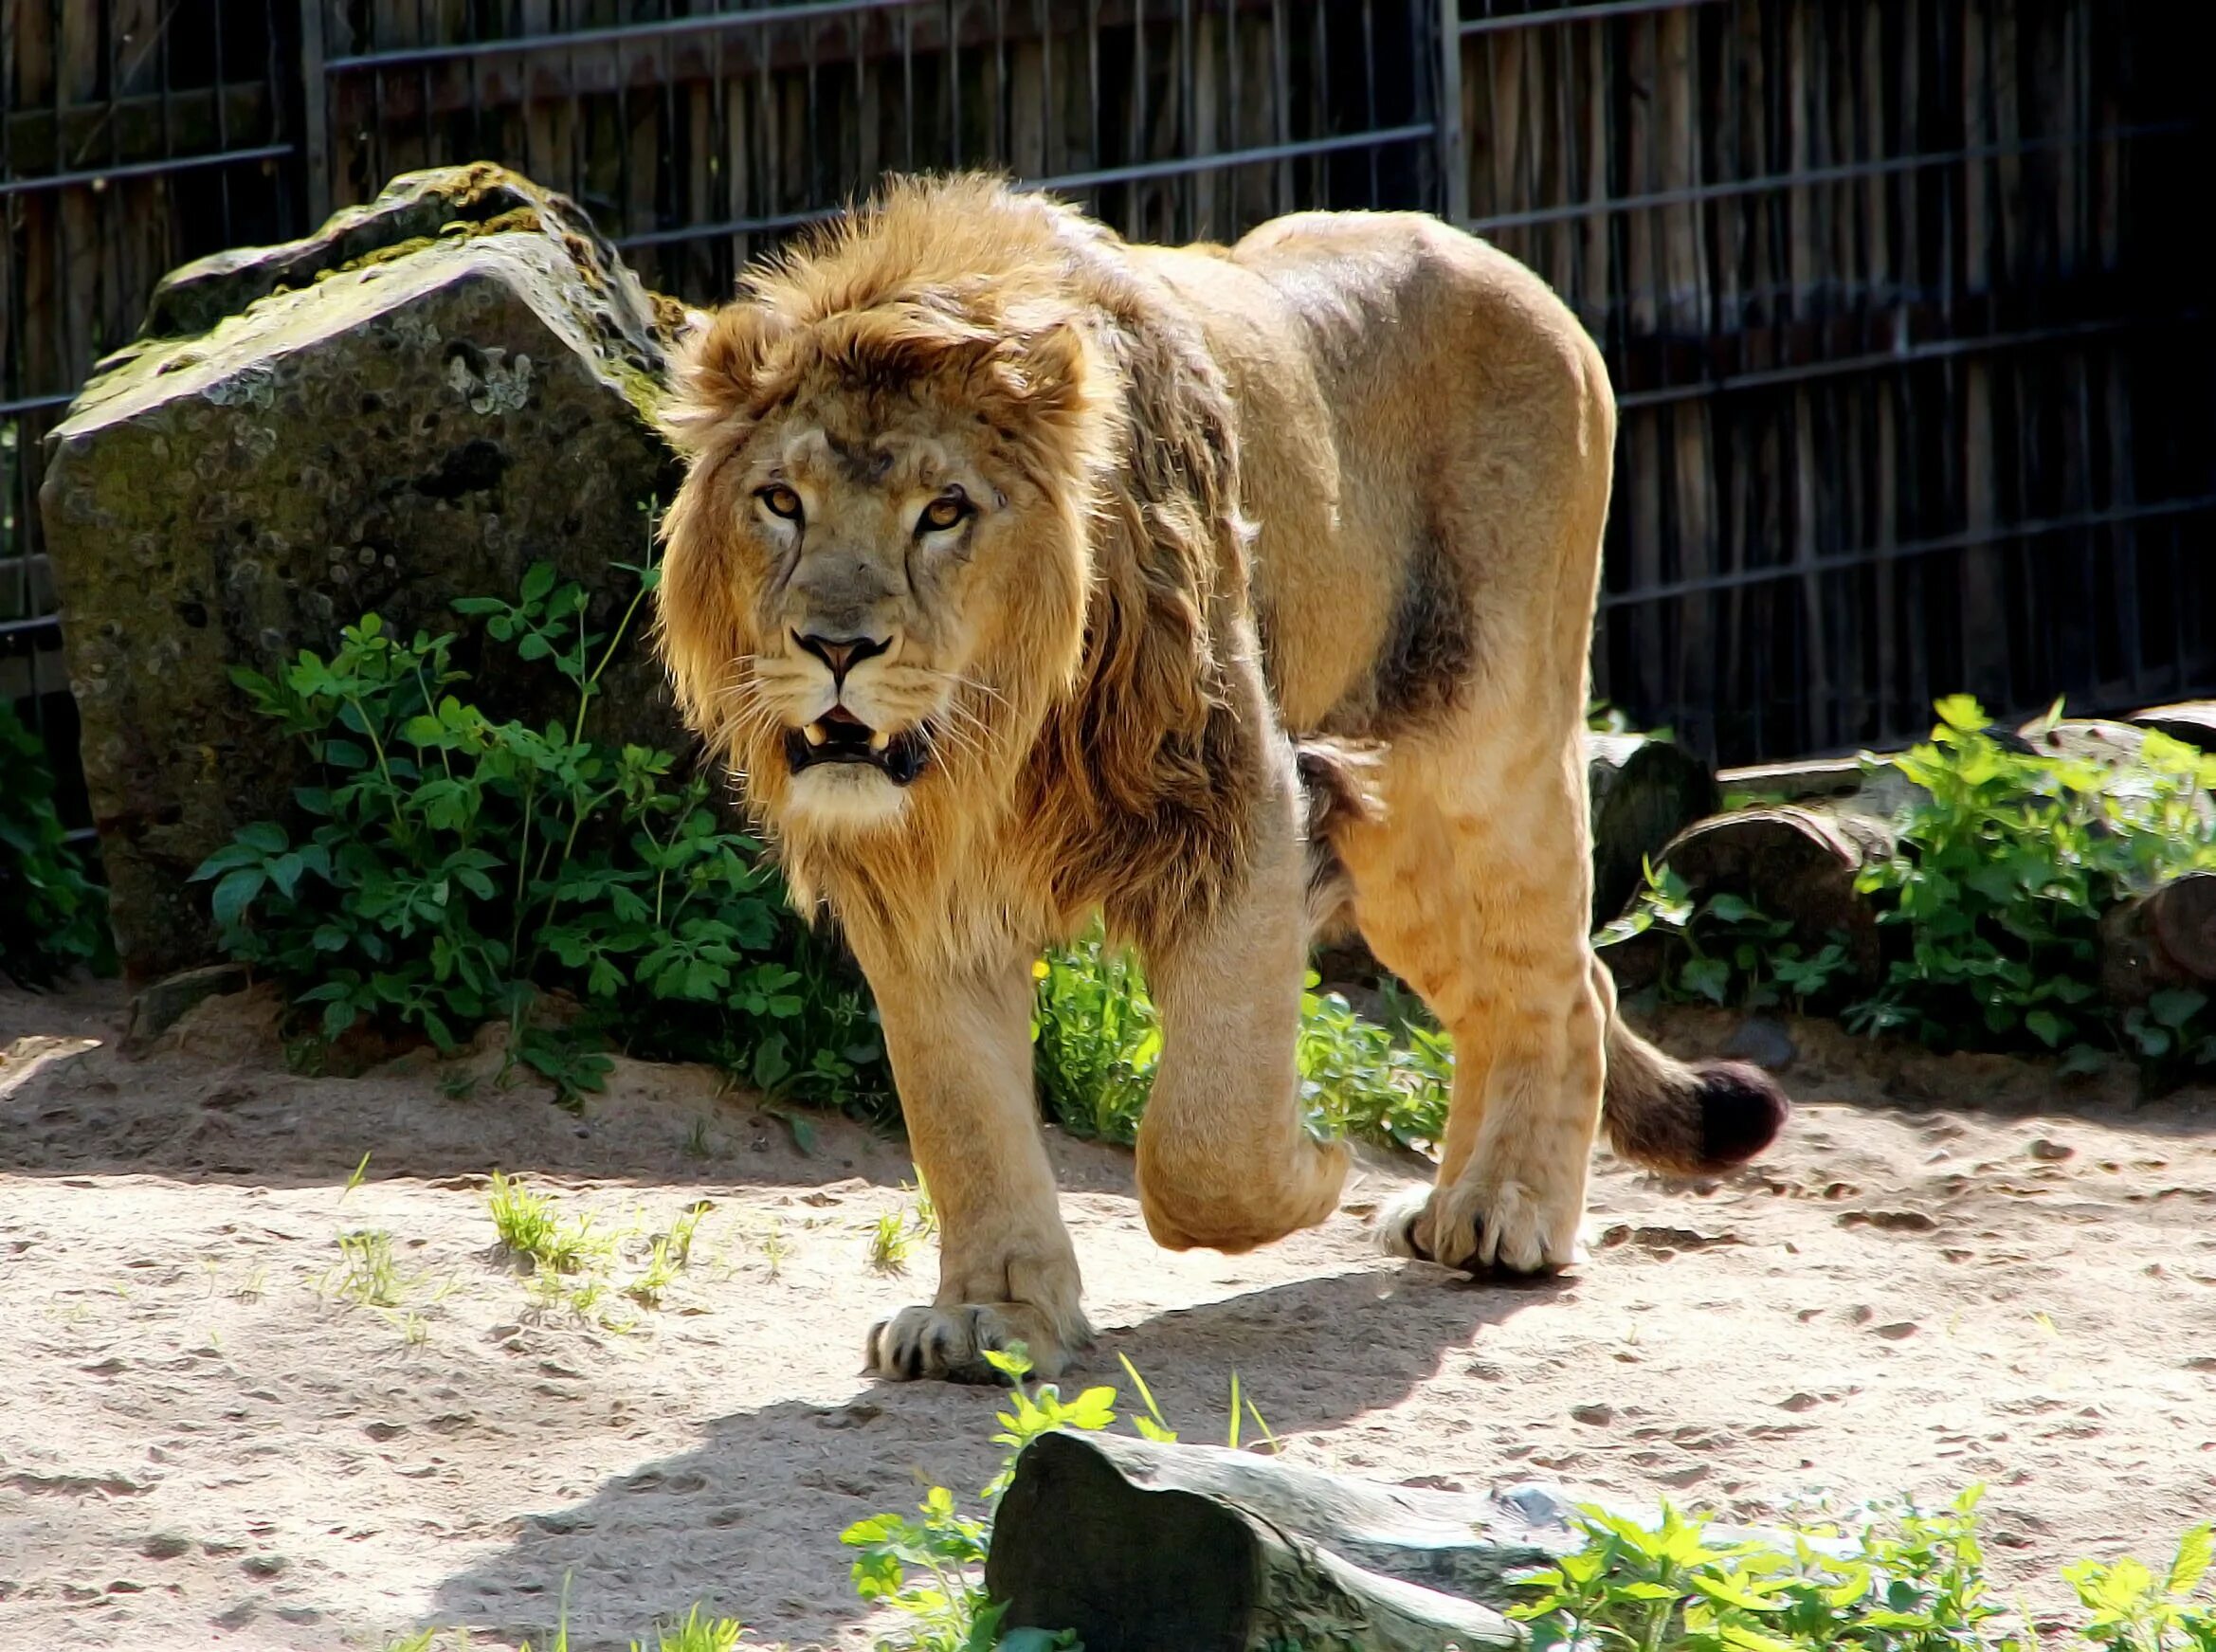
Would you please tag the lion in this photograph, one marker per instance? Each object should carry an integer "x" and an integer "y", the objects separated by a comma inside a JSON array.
[{"x": 1022, "y": 574}]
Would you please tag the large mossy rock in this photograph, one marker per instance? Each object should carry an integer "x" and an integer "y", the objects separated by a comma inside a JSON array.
[{"x": 412, "y": 404}]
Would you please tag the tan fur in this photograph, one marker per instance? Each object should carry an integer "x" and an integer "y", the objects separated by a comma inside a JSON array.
[{"x": 1345, "y": 480}]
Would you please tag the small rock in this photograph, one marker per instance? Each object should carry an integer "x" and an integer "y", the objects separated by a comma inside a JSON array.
[
  {"x": 263, "y": 1565},
  {"x": 167, "y": 1001},
  {"x": 2051, "y": 1152},
  {"x": 1764, "y": 1042},
  {"x": 1599, "y": 1416},
  {"x": 856, "y": 1415},
  {"x": 164, "y": 1546},
  {"x": 1897, "y": 1330}
]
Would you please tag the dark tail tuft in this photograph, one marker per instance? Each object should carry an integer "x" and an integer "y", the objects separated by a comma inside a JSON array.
[{"x": 1688, "y": 1120}]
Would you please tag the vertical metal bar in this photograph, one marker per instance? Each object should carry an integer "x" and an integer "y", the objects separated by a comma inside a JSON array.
[
  {"x": 315, "y": 114},
  {"x": 954, "y": 51}
]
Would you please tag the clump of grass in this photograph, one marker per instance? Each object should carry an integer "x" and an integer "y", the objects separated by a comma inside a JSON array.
[
  {"x": 891, "y": 1239},
  {"x": 896, "y": 1234},
  {"x": 530, "y": 1225},
  {"x": 775, "y": 1247},
  {"x": 668, "y": 1256},
  {"x": 695, "y": 1634},
  {"x": 366, "y": 1274}
]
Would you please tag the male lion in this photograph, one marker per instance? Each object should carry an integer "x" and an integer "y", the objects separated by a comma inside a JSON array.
[{"x": 1022, "y": 574}]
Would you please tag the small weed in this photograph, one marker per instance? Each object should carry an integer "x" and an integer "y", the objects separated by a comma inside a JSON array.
[
  {"x": 670, "y": 1254},
  {"x": 524, "y": 1220},
  {"x": 775, "y": 1248},
  {"x": 891, "y": 1239},
  {"x": 698, "y": 1144},
  {"x": 54, "y": 910},
  {"x": 696, "y": 1634},
  {"x": 458, "y": 1085},
  {"x": 366, "y": 1274},
  {"x": 530, "y": 1225},
  {"x": 360, "y": 1171}
]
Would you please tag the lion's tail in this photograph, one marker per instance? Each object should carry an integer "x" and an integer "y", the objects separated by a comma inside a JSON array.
[{"x": 1686, "y": 1119}]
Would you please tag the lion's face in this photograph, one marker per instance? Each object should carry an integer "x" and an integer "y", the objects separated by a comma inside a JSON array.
[{"x": 875, "y": 579}]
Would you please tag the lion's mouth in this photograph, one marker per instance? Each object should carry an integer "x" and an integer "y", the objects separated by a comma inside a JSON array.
[{"x": 840, "y": 736}]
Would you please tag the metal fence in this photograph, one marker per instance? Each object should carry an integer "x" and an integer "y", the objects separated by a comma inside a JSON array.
[
  {"x": 1899, "y": 295},
  {"x": 1904, "y": 308}
]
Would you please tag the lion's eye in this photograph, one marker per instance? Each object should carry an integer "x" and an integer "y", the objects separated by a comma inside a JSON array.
[
  {"x": 781, "y": 502},
  {"x": 945, "y": 512}
]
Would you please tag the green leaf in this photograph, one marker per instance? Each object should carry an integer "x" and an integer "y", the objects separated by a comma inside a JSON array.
[
  {"x": 235, "y": 893},
  {"x": 2174, "y": 1005},
  {"x": 2196, "y": 1551},
  {"x": 264, "y": 837},
  {"x": 538, "y": 580}
]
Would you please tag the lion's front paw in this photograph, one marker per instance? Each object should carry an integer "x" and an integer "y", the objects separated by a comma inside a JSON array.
[
  {"x": 1480, "y": 1227},
  {"x": 952, "y": 1342}
]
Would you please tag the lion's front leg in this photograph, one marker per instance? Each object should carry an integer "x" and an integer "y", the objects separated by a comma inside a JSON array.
[
  {"x": 961, "y": 1055},
  {"x": 1224, "y": 1160}
]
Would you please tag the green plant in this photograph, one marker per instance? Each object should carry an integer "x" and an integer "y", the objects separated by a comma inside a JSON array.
[
  {"x": 668, "y": 1254},
  {"x": 1098, "y": 1037},
  {"x": 530, "y": 1225},
  {"x": 53, "y": 917},
  {"x": 1895, "y": 1579},
  {"x": 2004, "y": 861},
  {"x": 696, "y": 1634},
  {"x": 928, "y": 1566},
  {"x": 461, "y": 869},
  {"x": 1725, "y": 949},
  {"x": 367, "y": 1273},
  {"x": 2007, "y": 860}
]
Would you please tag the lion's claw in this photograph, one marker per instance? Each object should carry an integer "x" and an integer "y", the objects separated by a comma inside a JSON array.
[
  {"x": 1504, "y": 1233},
  {"x": 950, "y": 1343}
]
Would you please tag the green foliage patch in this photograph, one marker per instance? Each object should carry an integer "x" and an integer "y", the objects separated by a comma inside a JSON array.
[
  {"x": 53, "y": 917},
  {"x": 461, "y": 868},
  {"x": 2005, "y": 861}
]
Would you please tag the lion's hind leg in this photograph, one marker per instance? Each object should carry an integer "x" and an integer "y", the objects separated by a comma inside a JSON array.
[{"x": 1473, "y": 886}]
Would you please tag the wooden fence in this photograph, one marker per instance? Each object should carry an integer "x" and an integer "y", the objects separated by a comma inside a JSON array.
[{"x": 1898, "y": 294}]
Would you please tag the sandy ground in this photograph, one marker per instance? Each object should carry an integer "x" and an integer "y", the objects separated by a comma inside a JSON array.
[{"x": 1952, "y": 1270}]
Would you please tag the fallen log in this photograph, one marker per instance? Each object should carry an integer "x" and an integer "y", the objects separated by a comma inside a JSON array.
[
  {"x": 2165, "y": 938},
  {"x": 1151, "y": 1548},
  {"x": 1644, "y": 793},
  {"x": 2190, "y": 721},
  {"x": 1794, "y": 861}
]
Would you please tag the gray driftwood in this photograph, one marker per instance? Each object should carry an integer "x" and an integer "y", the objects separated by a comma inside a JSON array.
[{"x": 1147, "y": 1548}]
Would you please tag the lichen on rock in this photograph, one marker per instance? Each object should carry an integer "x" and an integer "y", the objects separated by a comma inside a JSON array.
[{"x": 412, "y": 404}]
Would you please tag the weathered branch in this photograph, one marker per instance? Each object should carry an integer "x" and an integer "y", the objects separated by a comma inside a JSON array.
[{"x": 1147, "y": 1548}]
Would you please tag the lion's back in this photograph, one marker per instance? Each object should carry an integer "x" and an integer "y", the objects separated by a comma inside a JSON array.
[{"x": 1454, "y": 388}]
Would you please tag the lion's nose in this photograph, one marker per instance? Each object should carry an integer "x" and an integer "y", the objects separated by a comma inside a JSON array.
[{"x": 842, "y": 653}]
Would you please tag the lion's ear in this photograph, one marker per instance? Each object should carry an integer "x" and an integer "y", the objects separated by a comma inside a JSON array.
[
  {"x": 1049, "y": 370},
  {"x": 719, "y": 365}
]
